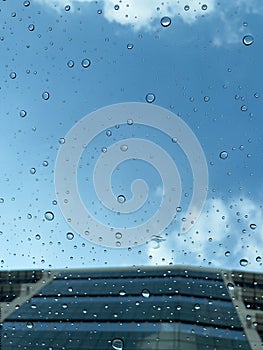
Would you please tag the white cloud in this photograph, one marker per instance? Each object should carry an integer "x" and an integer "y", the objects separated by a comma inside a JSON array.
[{"x": 223, "y": 226}]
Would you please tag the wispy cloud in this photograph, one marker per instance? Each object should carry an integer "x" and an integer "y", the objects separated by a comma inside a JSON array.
[{"x": 224, "y": 234}]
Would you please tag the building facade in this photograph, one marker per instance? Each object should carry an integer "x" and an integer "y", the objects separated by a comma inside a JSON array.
[{"x": 162, "y": 308}]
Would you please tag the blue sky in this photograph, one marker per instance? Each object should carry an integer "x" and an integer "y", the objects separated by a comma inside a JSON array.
[{"x": 197, "y": 67}]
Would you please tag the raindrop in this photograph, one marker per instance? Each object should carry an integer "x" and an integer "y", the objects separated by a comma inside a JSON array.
[
  {"x": 129, "y": 121},
  {"x": 187, "y": 8},
  {"x": 45, "y": 95},
  {"x": 243, "y": 262},
  {"x": 37, "y": 236},
  {"x": 206, "y": 98},
  {"x": 70, "y": 64},
  {"x": 227, "y": 253},
  {"x": 174, "y": 139},
  {"x": 258, "y": 259},
  {"x": 70, "y": 236},
  {"x": 256, "y": 95},
  {"x": 150, "y": 97},
  {"x": 124, "y": 148},
  {"x": 204, "y": 7},
  {"x": 121, "y": 198},
  {"x": 122, "y": 293},
  {"x": 118, "y": 244},
  {"x": 145, "y": 293},
  {"x": 31, "y": 27},
  {"x": 32, "y": 170},
  {"x": 13, "y": 14},
  {"x": 99, "y": 12},
  {"x": 166, "y": 21},
  {"x": 64, "y": 306},
  {"x": 197, "y": 306},
  {"x": 223, "y": 155},
  {"x": 67, "y": 8},
  {"x": 129, "y": 46},
  {"x": 23, "y": 113},
  {"x": 26, "y": 3},
  {"x": 117, "y": 344},
  {"x": 230, "y": 286},
  {"x": 108, "y": 133},
  {"x": 116, "y": 7},
  {"x": 62, "y": 140},
  {"x": 178, "y": 307},
  {"x": 104, "y": 149},
  {"x": 253, "y": 226},
  {"x": 248, "y": 40},
  {"x": 49, "y": 215},
  {"x": 29, "y": 325},
  {"x": 12, "y": 75},
  {"x": 85, "y": 63},
  {"x": 243, "y": 108},
  {"x": 45, "y": 163},
  {"x": 118, "y": 235}
]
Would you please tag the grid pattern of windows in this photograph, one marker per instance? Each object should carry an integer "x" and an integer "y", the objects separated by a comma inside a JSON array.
[{"x": 151, "y": 309}]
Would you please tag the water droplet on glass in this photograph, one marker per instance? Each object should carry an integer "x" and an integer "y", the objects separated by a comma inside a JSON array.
[
  {"x": 23, "y": 113},
  {"x": 243, "y": 108},
  {"x": 26, "y": 3},
  {"x": 116, "y": 7},
  {"x": 62, "y": 140},
  {"x": 150, "y": 97},
  {"x": 204, "y": 7},
  {"x": 45, "y": 163},
  {"x": 29, "y": 325},
  {"x": 121, "y": 198},
  {"x": 49, "y": 215},
  {"x": 174, "y": 139},
  {"x": 32, "y": 170},
  {"x": 99, "y": 12},
  {"x": 197, "y": 306},
  {"x": 104, "y": 149},
  {"x": 45, "y": 95},
  {"x": 118, "y": 235},
  {"x": 227, "y": 253},
  {"x": 166, "y": 21},
  {"x": 206, "y": 98},
  {"x": 129, "y": 46},
  {"x": 117, "y": 344},
  {"x": 108, "y": 133},
  {"x": 187, "y": 8},
  {"x": 253, "y": 226},
  {"x": 37, "y": 236},
  {"x": 145, "y": 293},
  {"x": 118, "y": 244},
  {"x": 67, "y": 8},
  {"x": 85, "y": 63},
  {"x": 248, "y": 40},
  {"x": 13, "y": 14},
  {"x": 258, "y": 259},
  {"x": 122, "y": 293},
  {"x": 256, "y": 95},
  {"x": 230, "y": 286},
  {"x": 223, "y": 155},
  {"x": 31, "y": 27},
  {"x": 70, "y": 64},
  {"x": 12, "y": 75},
  {"x": 129, "y": 121},
  {"x": 243, "y": 262},
  {"x": 70, "y": 236},
  {"x": 124, "y": 148}
]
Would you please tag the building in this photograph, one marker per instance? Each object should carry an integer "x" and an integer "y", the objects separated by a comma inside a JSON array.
[{"x": 164, "y": 308}]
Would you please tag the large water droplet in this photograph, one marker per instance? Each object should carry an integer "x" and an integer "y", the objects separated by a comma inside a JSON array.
[
  {"x": 49, "y": 215},
  {"x": 70, "y": 236},
  {"x": 23, "y": 113},
  {"x": 197, "y": 306},
  {"x": 67, "y": 7},
  {"x": 70, "y": 64},
  {"x": 29, "y": 325},
  {"x": 204, "y": 7},
  {"x": 85, "y": 63},
  {"x": 32, "y": 170},
  {"x": 31, "y": 27},
  {"x": 45, "y": 95},
  {"x": 12, "y": 75},
  {"x": 121, "y": 198},
  {"x": 248, "y": 40},
  {"x": 230, "y": 286},
  {"x": 253, "y": 226},
  {"x": 166, "y": 21},
  {"x": 117, "y": 344},
  {"x": 118, "y": 235},
  {"x": 26, "y": 3},
  {"x": 150, "y": 97},
  {"x": 187, "y": 8},
  {"x": 145, "y": 293},
  {"x": 223, "y": 155},
  {"x": 124, "y": 148},
  {"x": 243, "y": 262}
]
